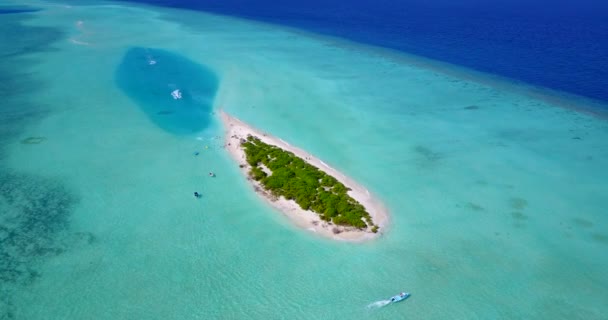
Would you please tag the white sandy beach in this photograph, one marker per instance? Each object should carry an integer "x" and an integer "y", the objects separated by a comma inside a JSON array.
[{"x": 237, "y": 130}]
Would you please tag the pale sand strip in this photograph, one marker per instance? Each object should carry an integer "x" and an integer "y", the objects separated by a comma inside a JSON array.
[{"x": 237, "y": 130}]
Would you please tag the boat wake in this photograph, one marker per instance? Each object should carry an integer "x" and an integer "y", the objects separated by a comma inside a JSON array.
[{"x": 378, "y": 304}]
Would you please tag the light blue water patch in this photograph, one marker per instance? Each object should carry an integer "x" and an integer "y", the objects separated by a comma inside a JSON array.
[{"x": 175, "y": 93}]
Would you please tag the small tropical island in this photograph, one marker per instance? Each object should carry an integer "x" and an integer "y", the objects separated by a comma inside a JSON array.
[{"x": 304, "y": 188}]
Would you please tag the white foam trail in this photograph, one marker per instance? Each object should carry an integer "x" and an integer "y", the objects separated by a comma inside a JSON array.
[
  {"x": 80, "y": 26},
  {"x": 82, "y": 43},
  {"x": 378, "y": 304}
]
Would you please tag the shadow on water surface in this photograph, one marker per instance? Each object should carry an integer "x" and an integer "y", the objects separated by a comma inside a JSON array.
[{"x": 174, "y": 92}]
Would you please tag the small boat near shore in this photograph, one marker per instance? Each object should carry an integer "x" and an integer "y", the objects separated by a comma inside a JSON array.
[{"x": 400, "y": 297}]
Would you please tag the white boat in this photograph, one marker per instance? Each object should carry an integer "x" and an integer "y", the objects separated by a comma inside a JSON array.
[
  {"x": 176, "y": 94},
  {"x": 400, "y": 297}
]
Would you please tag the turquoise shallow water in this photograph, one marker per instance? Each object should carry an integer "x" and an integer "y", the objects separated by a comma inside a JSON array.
[{"x": 497, "y": 197}]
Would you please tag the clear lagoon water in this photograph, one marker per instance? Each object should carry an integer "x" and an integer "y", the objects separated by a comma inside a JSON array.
[{"x": 497, "y": 190}]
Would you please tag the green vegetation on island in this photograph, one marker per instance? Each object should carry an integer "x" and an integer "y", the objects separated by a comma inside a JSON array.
[{"x": 312, "y": 189}]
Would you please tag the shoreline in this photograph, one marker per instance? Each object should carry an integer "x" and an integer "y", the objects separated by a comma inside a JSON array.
[{"x": 235, "y": 130}]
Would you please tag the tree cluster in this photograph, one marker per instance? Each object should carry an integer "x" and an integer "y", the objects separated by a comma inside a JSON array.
[{"x": 311, "y": 188}]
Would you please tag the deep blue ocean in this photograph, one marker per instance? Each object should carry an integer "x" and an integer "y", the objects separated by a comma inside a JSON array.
[{"x": 562, "y": 45}]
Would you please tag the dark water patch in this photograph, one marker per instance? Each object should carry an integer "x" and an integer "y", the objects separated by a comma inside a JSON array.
[
  {"x": 34, "y": 212},
  {"x": 33, "y": 140},
  {"x": 428, "y": 154},
  {"x": 474, "y": 206},
  {"x": 19, "y": 39},
  {"x": 600, "y": 238},
  {"x": 174, "y": 92},
  {"x": 472, "y": 108},
  {"x": 583, "y": 223},
  {"x": 518, "y": 215},
  {"x": 518, "y": 203},
  {"x": 14, "y": 10},
  {"x": 35, "y": 217}
]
